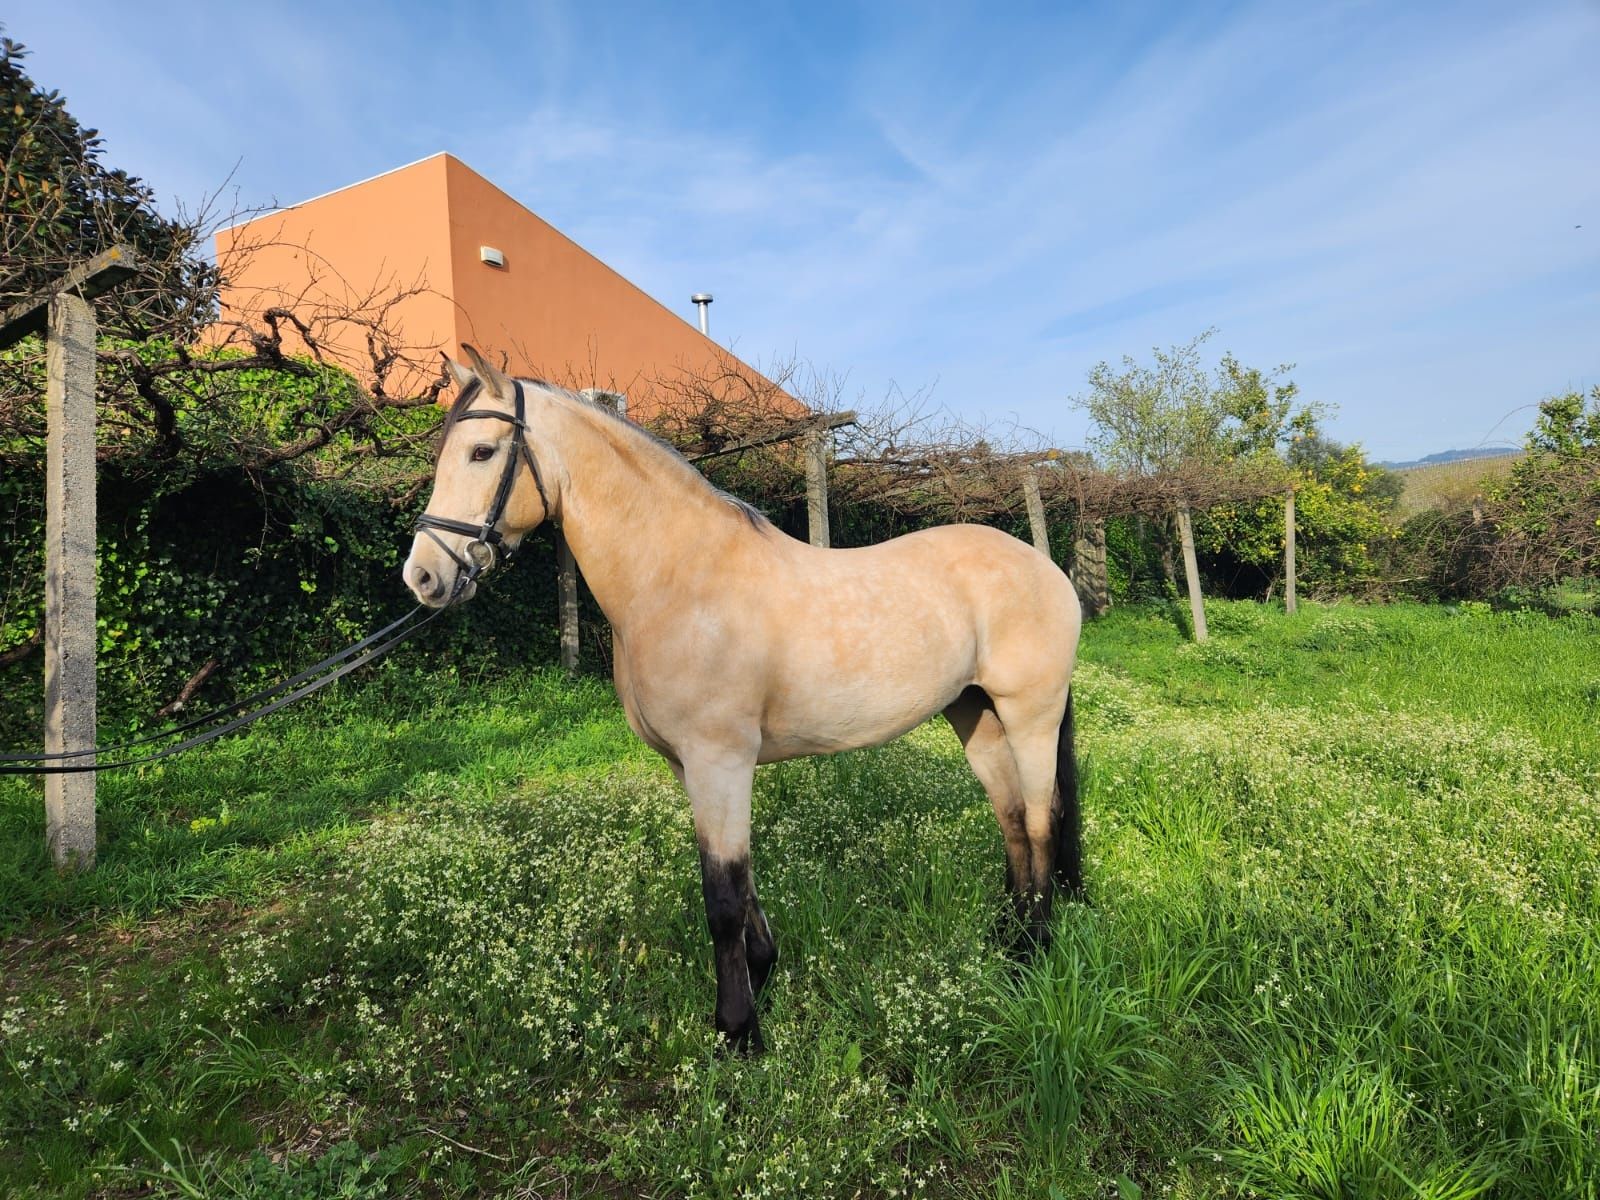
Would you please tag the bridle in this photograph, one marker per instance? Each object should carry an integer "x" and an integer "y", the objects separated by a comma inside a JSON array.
[{"x": 488, "y": 547}]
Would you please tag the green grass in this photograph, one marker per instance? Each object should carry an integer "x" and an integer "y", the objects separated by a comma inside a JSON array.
[{"x": 439, "y": 938}]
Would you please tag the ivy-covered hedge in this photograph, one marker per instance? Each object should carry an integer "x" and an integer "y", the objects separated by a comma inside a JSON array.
[
  {"x": 221, "y": 553},
  {"x": 264, "y": 574}
]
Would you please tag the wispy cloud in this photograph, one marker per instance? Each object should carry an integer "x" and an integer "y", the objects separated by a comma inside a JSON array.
[{"x": 1386, "y": 195}]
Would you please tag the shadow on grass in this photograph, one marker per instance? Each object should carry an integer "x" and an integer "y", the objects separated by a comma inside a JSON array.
[{"x": 228, "y": 820}]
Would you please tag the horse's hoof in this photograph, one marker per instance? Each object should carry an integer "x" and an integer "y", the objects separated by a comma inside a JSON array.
[{"x": 741, "y": 1043}]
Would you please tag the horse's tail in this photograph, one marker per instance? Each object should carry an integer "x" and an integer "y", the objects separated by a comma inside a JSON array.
[{"x": 1069, "y": 821}]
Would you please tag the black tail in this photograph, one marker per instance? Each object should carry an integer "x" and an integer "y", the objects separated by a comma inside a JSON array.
[{"x": 1069, "y": 822}]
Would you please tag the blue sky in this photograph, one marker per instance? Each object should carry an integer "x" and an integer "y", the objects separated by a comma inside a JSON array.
[{"x": 984, "y": 200}]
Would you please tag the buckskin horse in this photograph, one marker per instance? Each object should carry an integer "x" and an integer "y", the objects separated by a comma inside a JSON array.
[{"x": 736, "y": 644}]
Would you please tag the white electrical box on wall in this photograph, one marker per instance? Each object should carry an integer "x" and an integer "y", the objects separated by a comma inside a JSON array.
[{"x": 491, "y": 256}]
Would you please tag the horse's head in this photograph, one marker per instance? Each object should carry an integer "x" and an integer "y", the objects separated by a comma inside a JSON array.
[{"x": 487, "y": 489}]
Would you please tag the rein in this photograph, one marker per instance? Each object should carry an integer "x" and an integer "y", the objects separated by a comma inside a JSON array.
[
  {"x": 298, "y": 687},
  {"x": 485, "y": 550}
]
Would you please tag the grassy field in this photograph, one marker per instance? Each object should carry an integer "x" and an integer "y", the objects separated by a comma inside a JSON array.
[
  {"x": 1450, "y": 485},
  {"x": 441, "y": 938}
]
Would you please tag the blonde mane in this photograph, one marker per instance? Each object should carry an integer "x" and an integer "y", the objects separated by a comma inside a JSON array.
[{"x": 657, "y": 447}]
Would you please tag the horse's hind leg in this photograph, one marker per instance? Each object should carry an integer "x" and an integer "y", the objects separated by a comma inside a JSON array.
[
  {"x": 973, "y": 717},
  {"x": 1033, "y": 727}
]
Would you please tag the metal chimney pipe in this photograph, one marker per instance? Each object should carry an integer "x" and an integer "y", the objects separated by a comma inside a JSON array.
[{"x": 702, "y": 301}]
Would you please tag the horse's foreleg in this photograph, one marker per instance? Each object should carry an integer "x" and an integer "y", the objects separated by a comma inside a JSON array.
[{"x": 719, "y": 792}]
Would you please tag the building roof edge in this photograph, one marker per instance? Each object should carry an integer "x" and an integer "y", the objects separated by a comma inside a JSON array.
[{"x": 341, "y": 188}]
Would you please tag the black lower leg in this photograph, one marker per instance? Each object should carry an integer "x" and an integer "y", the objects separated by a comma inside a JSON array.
[
  {"x": 726, "y": 886},
  {"x": 1034, "y": 897},
  {"x": 1039, "y": 905},
  {"x": 760, "y": 949},
  {"x": 1027, "y": 932}
]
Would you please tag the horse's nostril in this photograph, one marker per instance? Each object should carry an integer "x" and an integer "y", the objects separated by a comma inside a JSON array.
[{"x": 423, "y": 578}]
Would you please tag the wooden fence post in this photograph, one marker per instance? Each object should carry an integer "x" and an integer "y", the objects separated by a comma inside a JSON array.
[
  {"x": 1089, "y": 565},
  {"x": 1288, "y": 552},
  {"x": 1191, "y": 568},
  {"x": 69, "y": 557},
  {"x": 817, "y": 486},
  {"x": 1035, "y": 505}
]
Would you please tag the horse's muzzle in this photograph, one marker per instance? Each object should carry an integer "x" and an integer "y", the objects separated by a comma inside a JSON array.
[{"x": 434, "y": 590}]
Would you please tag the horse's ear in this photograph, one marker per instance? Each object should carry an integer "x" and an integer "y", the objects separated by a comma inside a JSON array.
[
  {"x": 497, "y": 380},
  {"x": 462, "y": 375}
]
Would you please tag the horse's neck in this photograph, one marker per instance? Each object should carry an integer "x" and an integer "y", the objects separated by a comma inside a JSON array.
[{"x": 632, "y": 515}]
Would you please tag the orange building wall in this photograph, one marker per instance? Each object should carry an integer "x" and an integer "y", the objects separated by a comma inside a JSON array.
[
  {"x": 553, "y": 311},
  {"x": 560, "y": 312},
  {"x": 340, "y": 252}
]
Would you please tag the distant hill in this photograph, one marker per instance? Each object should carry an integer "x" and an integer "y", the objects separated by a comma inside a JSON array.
[{"x": 1446, "y": 456}]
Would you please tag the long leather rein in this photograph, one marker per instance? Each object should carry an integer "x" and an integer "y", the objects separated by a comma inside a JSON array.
[{"x": 487, "y": 548}]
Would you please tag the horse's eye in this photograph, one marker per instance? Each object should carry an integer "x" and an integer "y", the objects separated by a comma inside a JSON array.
[{"x": 482, "y": 453}]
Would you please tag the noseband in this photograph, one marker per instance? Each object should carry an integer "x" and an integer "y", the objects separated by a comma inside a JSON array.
[{"x": 487, "y": 547}]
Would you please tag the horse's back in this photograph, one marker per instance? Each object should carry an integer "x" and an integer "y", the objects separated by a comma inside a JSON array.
[{"x": 975, "y": 574}]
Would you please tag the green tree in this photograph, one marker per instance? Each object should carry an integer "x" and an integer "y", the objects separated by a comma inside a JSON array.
[
  {"x": 166, "y": 403},
  {"x": 233, "y": 484},
  {"x": 1172, "y": 413},
  {"x": 63, "y": 205},
  {"x": 1173, "y": 417},
  {"x": 1343, "y": 523},
  {"x": 1259, "y": 417},
  {"x": 1315, "y": 456},
  {"x": 1546, "y": 515},
  {"x": 1567, "y": 425}
]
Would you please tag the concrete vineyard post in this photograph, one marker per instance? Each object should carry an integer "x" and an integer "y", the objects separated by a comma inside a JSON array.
[
  {"x": 1035, "y": 506},
  {"x": 69, "y": 620},
  {"x": 63, "y": 314},
  {"x": 1191, "y": 569},
  {"x": 817, "y": 486},
  {"x": 1089, "y": 565}
]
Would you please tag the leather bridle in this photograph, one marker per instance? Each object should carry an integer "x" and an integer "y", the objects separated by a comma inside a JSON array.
[{"x": 488, "y": 545}]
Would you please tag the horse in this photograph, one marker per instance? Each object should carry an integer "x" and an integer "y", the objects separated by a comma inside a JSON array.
[{"x": 737, "y": 645}]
